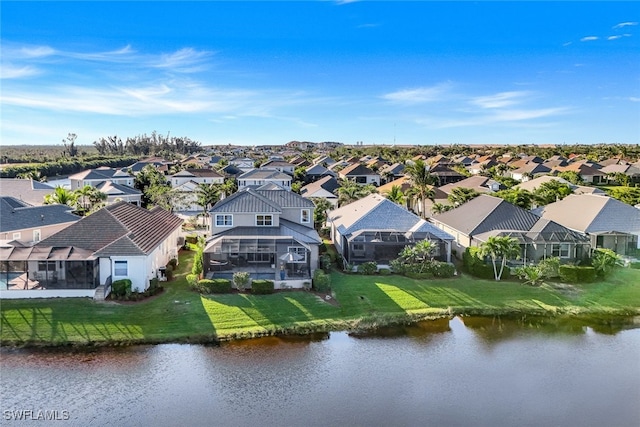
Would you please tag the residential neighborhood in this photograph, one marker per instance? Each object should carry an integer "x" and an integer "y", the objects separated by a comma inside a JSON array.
[{"x": 270, "y": 218}]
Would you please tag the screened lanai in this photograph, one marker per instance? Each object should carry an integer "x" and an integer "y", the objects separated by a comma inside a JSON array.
[
  {"x": 272, "y": 257},
  {"x": 43, "y": 267}
]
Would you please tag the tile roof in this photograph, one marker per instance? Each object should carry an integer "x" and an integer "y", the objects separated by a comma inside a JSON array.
[
  {"x": 118, "y": 229},
  {"x": 476, "y": 182},
  {"x": 16, "y": 215},
  {"x": 187, "y": 173}
]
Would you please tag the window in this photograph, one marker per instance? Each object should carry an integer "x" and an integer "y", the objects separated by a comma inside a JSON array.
[
  {"x": 46, "y": 266},
  {"x": 264, "y": 220},
  {"x": 120, "y": 268},
  {"x": 36, "y": 235},
  {"x": 305, "y": 216},
  {"x": 224, "y": 220},
  {"x": 361, "y": 179},
  {"x": 16, "y": 236},
  {"x": 358, "y": 247},
  {"x": 560, "y": 250}
]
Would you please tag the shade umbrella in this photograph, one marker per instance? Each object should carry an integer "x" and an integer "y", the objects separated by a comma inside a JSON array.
[{"x": 291, "y": 257}]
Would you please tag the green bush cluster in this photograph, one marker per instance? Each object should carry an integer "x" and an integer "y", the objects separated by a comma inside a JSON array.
[
  {"x": 426, "y": 270},
  {"x": 262, "y": 287},
  {"x": 368, "y": 268},
  {"x": 121, "y": 288},
  {"x": 577, "y": 274},
  {"x": 321, "y": 281},
  {"x": 213, "y": 286},
  {"x": 475, "y": 266},
  {"x": 325, "y": 262},
  {"x": 384, "y": 271},
  {"x": 67, "y": 167},
  {"x": 168, "y": 271}
]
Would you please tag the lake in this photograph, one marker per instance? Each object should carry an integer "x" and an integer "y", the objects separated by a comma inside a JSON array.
[{"x": 476, "y": 372}]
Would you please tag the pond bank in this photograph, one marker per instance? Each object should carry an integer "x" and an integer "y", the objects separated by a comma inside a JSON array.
[{"x": 362, "y": 304}]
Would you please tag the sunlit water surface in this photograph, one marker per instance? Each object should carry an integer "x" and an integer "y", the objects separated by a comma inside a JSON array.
[{"x": 483, "y": 372}]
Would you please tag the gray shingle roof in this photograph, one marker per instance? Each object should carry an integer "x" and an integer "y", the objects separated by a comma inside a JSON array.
[
  {"x": 375, "y": 212},
  {"x": 486, "y": 213},
  {"x": 265, "y": 174},
  {"x": 16, "y": 215},
  {"x": 28, "y": 190},
  {"x": 596, "y": 214}
]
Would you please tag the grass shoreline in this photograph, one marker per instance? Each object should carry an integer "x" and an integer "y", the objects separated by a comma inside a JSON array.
[{"x": 365, "y": 304}]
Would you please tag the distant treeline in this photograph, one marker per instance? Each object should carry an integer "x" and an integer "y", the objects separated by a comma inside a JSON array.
[
  {"x": 147, "y": 145},
  {"x": 66, "y": 167}
]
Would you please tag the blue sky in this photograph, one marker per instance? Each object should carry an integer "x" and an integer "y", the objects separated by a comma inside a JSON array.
[{"x": 272, "y": 72}]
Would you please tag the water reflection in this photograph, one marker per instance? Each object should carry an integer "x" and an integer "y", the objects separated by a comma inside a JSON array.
[{"x": 461, "y": 371}]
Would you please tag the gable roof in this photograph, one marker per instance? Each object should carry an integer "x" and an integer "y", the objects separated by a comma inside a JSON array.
[
  {"x": 262, "y": 201},
  {"x": 356, "y": 169},
  {"x": 265, "y": 174},
  {"x": 596, "y": 214},
  {"x": 17, "y": 215},
  {"x": 118, "y": 229},
  {"x": 319, "y": 170},
  {"x": 476, "y": 182},
  {"x": 102, "y": 173},
  {"x": 327, "y": 183},
  {"x": 27, "y": 190},
  {"x": 375, "y": 212},
  {"x": 486, "y": 213}
]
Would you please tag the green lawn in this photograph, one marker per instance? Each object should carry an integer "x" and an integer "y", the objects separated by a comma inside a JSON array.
[{"x": 180, "y": 315}]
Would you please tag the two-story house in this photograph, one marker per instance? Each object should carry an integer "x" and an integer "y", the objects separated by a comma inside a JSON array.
[
  {"x": 259, "y": 177},
  {"x": 117, "y": 184},
  {"x": 199, "y": 176},
  {"x": 360, "y": 174},
  {"x": 268, "y": 233}
]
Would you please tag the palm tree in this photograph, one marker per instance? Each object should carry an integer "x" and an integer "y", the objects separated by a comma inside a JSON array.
[
  {"x": 348, "y": 192},
  {"x": 461, "y": 195},
  {"x": 61, "y": 196},
  {"x": 439, "y": 208},
  {"x": 422, "y": 180},
  {"x": 320, "y": 213},
  {"x": 207, "y": 196},
  {"x": 88, "y": 197},
  {"x": 396, "y": 195},
  {"x": 500, "y": 247}
]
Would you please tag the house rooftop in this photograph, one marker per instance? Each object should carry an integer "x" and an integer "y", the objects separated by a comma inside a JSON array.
[{"x": 118, "y": 229}]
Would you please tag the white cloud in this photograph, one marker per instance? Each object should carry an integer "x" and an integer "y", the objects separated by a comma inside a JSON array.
[
  {"x": 589, "y": 38},
  {"x": 8, "y": 71},
  {"x": 613, "y": 37},
  {"x": 500, "y": 100},
  {"x": 634, "y": 99},
  {"x": 625, "y": 24},
  {"x": 418, "y": 95}
]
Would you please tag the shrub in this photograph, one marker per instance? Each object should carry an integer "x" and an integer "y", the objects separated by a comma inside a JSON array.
[
  {"x": 173, "y": 262},
  {"x": 384, "y": 271},
  {"x": 325, "y": 262},
  {"x": 191, "y": 239},
  {"x": 604, "y": 261},
  {"x": 192, "y": 280},
  {"x": 368, "y": 268},
  {"x": 262, "y": 287},
  {"x": 321, "y": 281},
  {"x": 121, "y": 288},
  {"x": 577, "y": 274},
  {"x": 635, "y": 265},
  {"x": 214, "y": 286},
  {"x": 476, "y": 266},
  {"x": 168, "y": 271},
  {"x": 241, "y": 280},
  {"x": 442, "y": 269},
  {"x": 549, "y": 267}
]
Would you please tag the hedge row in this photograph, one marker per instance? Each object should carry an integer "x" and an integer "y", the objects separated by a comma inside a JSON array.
[
  {"x": 577, "y": 274},
  {"x": 262, "y": 287},
  {"x": 66, "y": 167}
]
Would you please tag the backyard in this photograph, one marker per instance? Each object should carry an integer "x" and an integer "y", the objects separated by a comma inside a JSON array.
[{"x": 358, "y": 303}]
